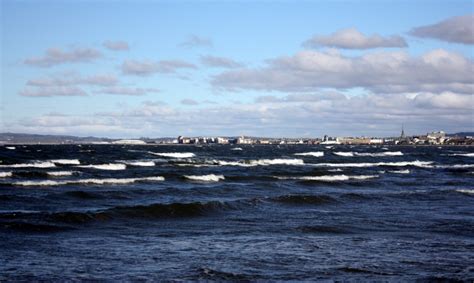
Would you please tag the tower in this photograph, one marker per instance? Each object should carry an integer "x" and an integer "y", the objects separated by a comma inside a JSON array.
[{"x": 402, "y": 135}]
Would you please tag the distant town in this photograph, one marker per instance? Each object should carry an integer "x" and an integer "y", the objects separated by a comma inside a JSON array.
[{"x": 432, "y": 138}]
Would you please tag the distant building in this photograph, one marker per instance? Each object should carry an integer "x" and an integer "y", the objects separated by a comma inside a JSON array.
[
  {"x": 184, "y": 140},
  {"x": 436, "y": 137},
  {"x": 129, "y": 142},
  {"x": 242, "y": 140}
]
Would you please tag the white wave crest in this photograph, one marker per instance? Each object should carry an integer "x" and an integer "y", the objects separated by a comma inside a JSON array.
[
  {"x": 5, "y": 174},
  {"x": 331, "y": 178},
  {"x": 45, "y": 164},
  {"x": 406, "y": 171},
  {"x": 66, "y": 161},
  {"x": 174, "y": 154},
  {"x": 88, "y": 181},
  {"x": 345, "y": 154},
  {"x": 236, "y": 148},
  {"x": 368, "y": 154},
  {"x": 470, "y": 192},
  {"x": 463, "y": 154},
  {"x": 380, "y": 154},
  {"x": 109, "y": 166},
  {"x": 417, "y": 163},
  {"x": 311, "y": 153},
  {"x": 140, "y": 163},
  {"x": 261, "y": 162},
  {"x": 60, "y": 173},
  {"x": 10, "y": 147},
  {"x": 205, "y": 178},
  {"x": 456, "y": 166}
]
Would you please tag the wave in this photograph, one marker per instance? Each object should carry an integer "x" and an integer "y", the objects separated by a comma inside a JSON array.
[
  {"x": 469, "y": 192},
  {"x": 152, "y": 211},
  {"x": 236, "y": 148},
  {"x": 320, "y": 229},
  {"x": 463, "y": 154},
  {"x": 205, "y": 178},
  {"x": 10, "y": 147},
  {"x": 46, "y": 164},
  {"x": 60, "y": 173},
  {"x": 345, "y": 154},
  {"x": 417, "y": 163},
  {"x": 66, "y": 161},
  {"x": 261, "y": 162},
  {"x": 5, "y": 174},
  {"x": 368, "y": 154},
  {"x": 174, "y": 154},
  {"x": 304, "y": 199},
  {"x": 330, "y": 178},
  {"x": 140, "y": 163},
  {"x": 87, "y": 181},
  {"x": 455, "y": 166},
  {"x": 406, "y": 171},
  {"x": 311, "y": 153},
  {"x": 109, "y": 166}
]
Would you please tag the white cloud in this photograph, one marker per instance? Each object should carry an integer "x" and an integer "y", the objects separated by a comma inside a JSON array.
[
  {"x": 116, "y": 45},
  {"x": 121, "y": 90},
  {"x": 189, "y": 102},
  {"x": 72, "y": 78},
  {"x": 196, "y": 41},
  {"x": 219, "y": 62},
  {"x": 292, "y": 115},
  {"x": 306, "y": 71},
  {"x": 351, "y": 38},
  {"x": 456, "y": 29},
  {"x": 45, "y": 91},
  {"x": 149, "y": 67},
  {"x": 57, "y": 56}
]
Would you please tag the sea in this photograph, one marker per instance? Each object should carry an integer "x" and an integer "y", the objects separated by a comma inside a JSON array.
[{"x": 236, "y": 213}]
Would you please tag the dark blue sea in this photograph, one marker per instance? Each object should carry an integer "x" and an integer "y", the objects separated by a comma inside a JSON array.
[{"x": 241, "y": 212}]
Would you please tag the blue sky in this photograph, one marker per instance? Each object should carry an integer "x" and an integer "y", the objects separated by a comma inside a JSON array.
[{"x": 273, "y": 68}]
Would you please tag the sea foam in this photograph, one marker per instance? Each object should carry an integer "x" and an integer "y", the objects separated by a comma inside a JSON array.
[
  {"x": 140, "y": 163},
  {"x": 45, "y": 164},
  {"x": 5, "y": 174},
  {"x": 60, "y": 173},
  {"x": 261, "y": 162},
  {"x": 174, "y": 154},
  {"x": 109, "y": 166},
  {"x": 331, "y": 178},
  {"x": 88, "y": 181},
  {"x": 205, "y": 178},
  {"x": 369, "y": 154},
  {"x": 66, "y": 161},
  {"x": 417, "y": 163},
  {"x": 311, "y": 153}
]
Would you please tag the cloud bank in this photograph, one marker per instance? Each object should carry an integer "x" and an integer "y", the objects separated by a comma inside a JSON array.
[
  {"x": 351, "y": 38},
  {"x": 57, "y": 56},
  {"x": 457, "y": 29}
]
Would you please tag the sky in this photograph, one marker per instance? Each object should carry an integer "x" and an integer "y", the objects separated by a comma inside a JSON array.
[{"x": 129, "y": 69}]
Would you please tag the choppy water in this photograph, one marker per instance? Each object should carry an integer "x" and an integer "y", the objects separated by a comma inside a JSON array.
[{"x": 112, "y": 212}]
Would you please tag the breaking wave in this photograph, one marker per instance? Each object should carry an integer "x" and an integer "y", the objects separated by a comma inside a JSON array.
[
  {"x": 87, "y": 181},
  {"x": 174, "y": 154},
  {"x": 140, "y": 163},
  {"x": 463, "y": 154},
  {"x": 469, "y": 192},
  {"x": 330, "y": 178},
  {"x": 406, "y": 171},
  {"x": 109, "y": 166},
  {"x": 236, "y": 148},
  {"x": 205, "y": 178},
  {"x": 311, "y": 153},
  {"x": 261, "y": 162},
  {"x": 66, "y": 161},
  {"x": 46, "y": 164},
  {"x": 417, "y": 163},
  {"x": 345, "y": 154},
  {"x": 60, "y": 173},
  {"x": 5, "y": 174},
  {"x": 368, "y": 154},
  {"x": 10, "y": 147}
]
